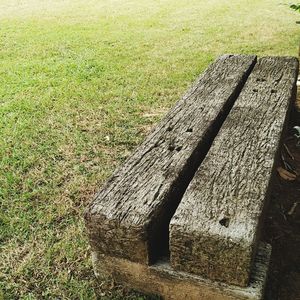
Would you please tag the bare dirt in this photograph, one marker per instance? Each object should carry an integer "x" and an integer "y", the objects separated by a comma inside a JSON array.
[{"x": 282, "y": 223}]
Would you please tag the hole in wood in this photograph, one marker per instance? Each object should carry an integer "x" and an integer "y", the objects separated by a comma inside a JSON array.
[
  {"x": 188, "y": 244},
  {"x": 261, "y": 79},
  {"x": 170, "y": 128},
  {"x": 255, "y": 90},
  {"x": 178, "y": 148},
  {"x": 273, "y": 91},
  {"x": 225, "y": 222},
  {"x": 171, "y": 147},
  {"x": 189, "y": 130}
]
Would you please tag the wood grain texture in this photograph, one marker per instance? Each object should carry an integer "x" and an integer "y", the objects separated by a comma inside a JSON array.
[
  {"x": 215, "y": 229},
  {"x": 161, "y": 279},
  {"x": 130, "y": 216}
]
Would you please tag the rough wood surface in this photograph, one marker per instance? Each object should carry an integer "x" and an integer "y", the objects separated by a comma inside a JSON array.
[
  {"x": 162, "y": 280},
  {"x": 215, "y": 228},
  {"x": 130, "y": 216}
]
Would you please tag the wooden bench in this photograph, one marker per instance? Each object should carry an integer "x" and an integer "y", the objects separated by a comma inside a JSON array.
[{"x": 214, "y": 234}]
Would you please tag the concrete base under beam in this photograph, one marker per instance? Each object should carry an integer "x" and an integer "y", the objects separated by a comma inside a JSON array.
[{"x": 162, "y": 280}]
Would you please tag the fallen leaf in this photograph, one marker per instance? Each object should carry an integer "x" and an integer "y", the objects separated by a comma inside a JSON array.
[{"x": 286, "y": 175}]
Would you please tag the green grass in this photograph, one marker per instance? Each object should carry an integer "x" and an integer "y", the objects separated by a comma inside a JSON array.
[{"x": 81, "y": 83}]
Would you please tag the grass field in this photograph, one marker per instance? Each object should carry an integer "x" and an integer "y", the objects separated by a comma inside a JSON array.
[{"x": 81, "y": 83}]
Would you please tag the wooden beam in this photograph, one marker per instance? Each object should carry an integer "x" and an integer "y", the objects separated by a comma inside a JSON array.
[{"x": 215, "y": 229}]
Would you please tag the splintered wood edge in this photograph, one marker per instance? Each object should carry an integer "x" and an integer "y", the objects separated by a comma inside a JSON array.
[{"x": 161, "y": 279}]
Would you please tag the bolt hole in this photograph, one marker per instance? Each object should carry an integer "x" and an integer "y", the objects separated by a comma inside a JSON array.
[
  {"x": 225, "y": 222},
  {"x": 188, "y": 244}
]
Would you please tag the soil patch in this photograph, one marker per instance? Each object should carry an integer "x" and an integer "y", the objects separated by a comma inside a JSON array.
[{"x": 282, "y": 223}]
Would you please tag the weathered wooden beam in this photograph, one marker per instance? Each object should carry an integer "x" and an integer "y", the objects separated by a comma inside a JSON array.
[
  {"x": 162, "y": 280},
  {"x": 215, "y": 229},
  {"x": 130, "y": 216}
]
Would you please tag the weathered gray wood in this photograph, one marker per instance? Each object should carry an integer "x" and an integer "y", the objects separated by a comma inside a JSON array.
[
  {"x": 215, "y": 229},
  {"x": 162, "y": 280},
  {"x": 130, "y": 216}
]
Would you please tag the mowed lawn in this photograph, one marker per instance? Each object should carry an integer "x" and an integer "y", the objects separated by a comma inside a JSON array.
[{"x": 81, "y": 84}]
